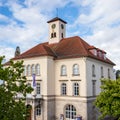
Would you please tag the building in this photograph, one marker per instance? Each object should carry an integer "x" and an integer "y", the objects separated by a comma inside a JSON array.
[{"x": 67, "y": 73}]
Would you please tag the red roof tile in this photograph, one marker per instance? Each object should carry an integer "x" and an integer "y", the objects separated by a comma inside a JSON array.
[{"x": 67, "y": 48}]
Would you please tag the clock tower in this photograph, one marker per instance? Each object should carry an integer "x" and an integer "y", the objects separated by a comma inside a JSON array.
[{"x": 57, "y": 30}]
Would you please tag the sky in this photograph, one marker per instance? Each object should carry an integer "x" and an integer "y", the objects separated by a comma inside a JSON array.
[{"x": 23, "y": 23}]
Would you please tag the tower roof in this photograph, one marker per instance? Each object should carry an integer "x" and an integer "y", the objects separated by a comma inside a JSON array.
[{"x": 56, "y": 19}]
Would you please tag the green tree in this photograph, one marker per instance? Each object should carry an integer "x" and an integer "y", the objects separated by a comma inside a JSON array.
[
  {"x": 108, "y": 102},
  {"x": 12, "y": 108}
]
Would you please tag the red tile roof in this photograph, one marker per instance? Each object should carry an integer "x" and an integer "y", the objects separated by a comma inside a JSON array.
[{"x": 72, "y": 47}]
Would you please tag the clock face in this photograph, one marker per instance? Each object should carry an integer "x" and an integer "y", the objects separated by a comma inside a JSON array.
[
  {"x": 53, "y": 26},
  {"x": 62, "y": 26}
]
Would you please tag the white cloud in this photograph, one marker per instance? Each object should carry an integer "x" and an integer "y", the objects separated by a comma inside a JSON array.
[
  {"x": 7, "y": 51},
  {"x": 27, "y": 26},
  {"x": 104, "y": 21}
]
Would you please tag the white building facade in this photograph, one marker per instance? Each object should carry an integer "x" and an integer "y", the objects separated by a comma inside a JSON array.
[{"x": 67, "y": 73}]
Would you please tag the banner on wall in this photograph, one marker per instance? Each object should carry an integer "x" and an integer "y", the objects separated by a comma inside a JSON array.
[{"x": 61, "y": 117}]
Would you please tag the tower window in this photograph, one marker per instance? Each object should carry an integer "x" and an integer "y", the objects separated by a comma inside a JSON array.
[
  {"x": 51, "y": 35},
  {"x": 54, "y": 34}
]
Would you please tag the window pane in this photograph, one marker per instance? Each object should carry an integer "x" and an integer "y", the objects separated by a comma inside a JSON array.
[
  {"x": 75, "y": 69},
  {"x": 38, "y": 88},
  {"x": 76, "y": 89},
  {"x": 63, "y": 70},
  {"x": 63, "y": 89},
  {"x": 37, "y": 69},
  {"x": 70, "y": 111}
]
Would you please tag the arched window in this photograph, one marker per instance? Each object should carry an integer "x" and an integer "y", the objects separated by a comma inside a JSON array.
[
  {"x": 38, "y": 88},
  {"x": 70, "y": 112},
  {"x": 63, "y": 70},
  {"x": 54, "y": 34},
  {"x": 108, "y": 73},
  {"x": 93, "y": 70},
  {"x": 28, "y": 70},
  {"x": 33, "y": 69},
  {"x": 24, "y": 73},
  {"x": 75, "y": 69},
  {"x": 63, "y": 89},
  {"x": 75, "y": 89},
  {"x": 51, "y": 35},
  {"x": 37, "y": 69},
  {"x": 102, "y": 72},
  {"x": 38, "y": 110}
]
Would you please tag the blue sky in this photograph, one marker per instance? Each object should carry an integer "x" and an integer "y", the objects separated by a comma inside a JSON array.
[{"x": 24, "y": 23}]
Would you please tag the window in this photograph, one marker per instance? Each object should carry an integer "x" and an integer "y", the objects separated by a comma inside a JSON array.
[
  {"x": 51, "y": 35},
  {"x": 24, "y": 73},
  {"x": 38, "y": 88},
  {"x": 54, "y": 34},
  {"x": 108, "y": 73},
  {"x": 33, "y": 69},
  {"x": 28, "y": 70},
  {"x": 102, "y": 72},
  {"x": 63, "y": 70},
  {"x": 29, "y": 84},
  {"x": 94, "y": 87},
  {"x": 63, "y": 89},
  {"x": 37, "y": 69},
  {"x": 76, "y": 69},
  {"x": 61, "y": 35},
  {"x": 70, "y": 112},
  {"x": 93, "y": 70},
  {"x": 75, "y": 89},
  {"x": 38, "y": 110}
]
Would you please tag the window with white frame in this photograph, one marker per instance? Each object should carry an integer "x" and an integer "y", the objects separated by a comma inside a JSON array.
[
  {"x": 29, "y": 84},
  {"x": 93, "y": 70},
  {"x": 24, "y": 73},
  {"x": 102, "y": 72},
  {"x": 63, "y": 70},
  {"x": 28, "y": 70},
  {"x": 38, "y": 110},
  {"x": 33, "y": 69},
  {"x": 75, "y": 69},
  {"x": 75, "y": 89},
  {"x": 70, "y": 112},
  {"x": 63, "y": 89},
  {"x": 38, "y": 88},
  {"x": 94, "y": 87},
  {"x": 37, "y": 69}
]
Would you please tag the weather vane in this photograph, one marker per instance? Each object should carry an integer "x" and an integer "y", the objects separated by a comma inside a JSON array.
[{"x": 57, "y": 12}]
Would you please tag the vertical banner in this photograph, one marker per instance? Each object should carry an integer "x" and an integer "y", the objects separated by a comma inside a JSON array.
[
  {"x": 34, "y": 81},
  {"x": 61, "y": 117}
]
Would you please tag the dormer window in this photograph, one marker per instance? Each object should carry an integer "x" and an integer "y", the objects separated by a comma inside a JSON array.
[
  {"x": 95, "y": 52},
  {"x": 104, "y": 55}
]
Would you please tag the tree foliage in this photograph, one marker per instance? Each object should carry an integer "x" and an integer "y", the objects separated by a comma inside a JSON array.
[
  {"x": 14, "y": 82},
  {"x": 108, "y": 102}
]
